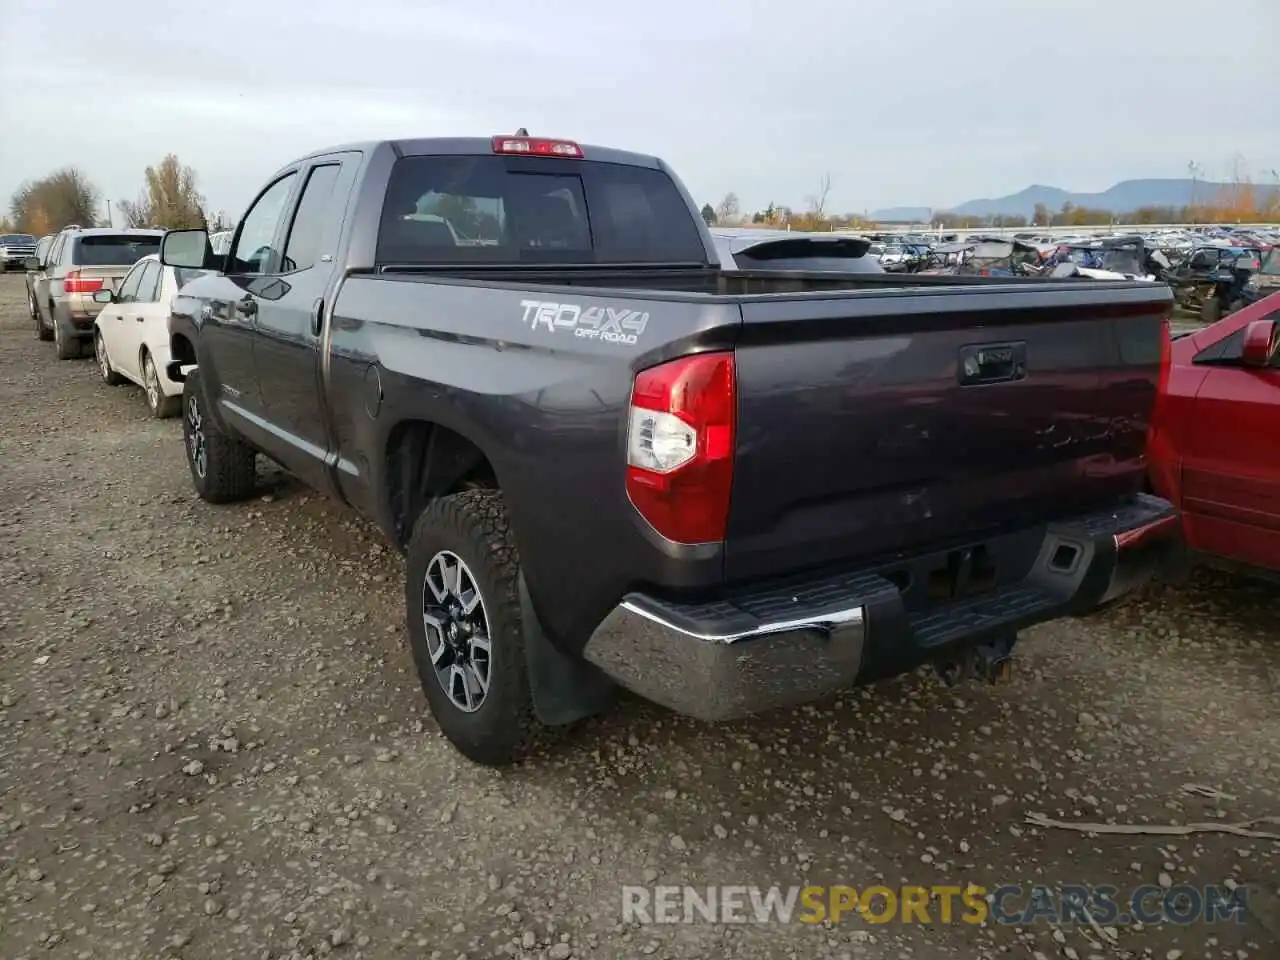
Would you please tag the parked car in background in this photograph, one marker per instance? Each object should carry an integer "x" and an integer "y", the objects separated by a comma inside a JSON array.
[
  {"x": 1267, "y": 279},
  {"x": 15, "y": 248},
  {"x": 894, "y": 257},
  {"x": 728, "y": 501},
  {"x": 131, "y": 333},
  {"x": 1214, "y": 440},
  {"x": 747, "y": 248},
  {"x": 36, "y": 279},
  {"x": 80, "y": 262}
]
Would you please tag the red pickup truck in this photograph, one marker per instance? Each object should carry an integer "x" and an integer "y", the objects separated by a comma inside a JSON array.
[{"x": 1214, "y": 439}]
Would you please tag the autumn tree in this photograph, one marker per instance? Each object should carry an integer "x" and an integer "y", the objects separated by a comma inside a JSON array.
[
  {"x": 136, "y": 213},
  {"x": 817, "y": 200},
  {"x": 168, "y": 199},
  {"x": 728, "y": 212},
  {"x": 63, "y": 197}
]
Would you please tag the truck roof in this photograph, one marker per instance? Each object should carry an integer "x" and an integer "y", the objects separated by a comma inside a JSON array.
[{"x": 464, "y": 146}]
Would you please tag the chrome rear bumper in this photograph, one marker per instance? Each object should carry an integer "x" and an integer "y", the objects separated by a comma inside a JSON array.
[{"x": 783, "y": 645}]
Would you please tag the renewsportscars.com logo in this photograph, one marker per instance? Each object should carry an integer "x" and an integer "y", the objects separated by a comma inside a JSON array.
[{"x": 1007, "y": 904}]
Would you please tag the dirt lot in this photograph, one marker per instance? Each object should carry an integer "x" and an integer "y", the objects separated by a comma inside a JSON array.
[{"x": 212, "y": 745}]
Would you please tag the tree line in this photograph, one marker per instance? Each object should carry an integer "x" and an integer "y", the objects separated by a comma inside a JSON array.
[
  {"x": 1236, "y": 203},
  {"x": 169, "y": 198}
]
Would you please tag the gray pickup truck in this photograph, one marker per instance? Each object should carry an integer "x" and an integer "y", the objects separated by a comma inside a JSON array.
[{"x": 611, "y": 462}]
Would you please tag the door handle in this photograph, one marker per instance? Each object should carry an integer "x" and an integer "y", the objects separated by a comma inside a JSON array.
[
  {"x": 247, "y": 307},
  {"x": 317, "y": 316}
]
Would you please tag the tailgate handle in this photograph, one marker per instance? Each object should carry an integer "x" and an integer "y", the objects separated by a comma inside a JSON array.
[{"x": 984, "y": 363}]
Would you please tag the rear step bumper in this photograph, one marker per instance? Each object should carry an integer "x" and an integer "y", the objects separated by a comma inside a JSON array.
[{"x": 781, "y": 645}]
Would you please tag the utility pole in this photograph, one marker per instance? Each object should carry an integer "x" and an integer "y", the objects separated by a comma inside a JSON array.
[{"x": 110, "y": 222}]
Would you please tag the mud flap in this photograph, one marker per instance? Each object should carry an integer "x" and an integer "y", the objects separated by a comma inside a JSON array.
[{"x": 564, "y": 689}]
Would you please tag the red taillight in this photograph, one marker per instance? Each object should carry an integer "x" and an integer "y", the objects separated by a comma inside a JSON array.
[
  {"x": 680, "y": 446},
  {"x": 75, "y": 283},
  {"x": 537, "y": 147}
]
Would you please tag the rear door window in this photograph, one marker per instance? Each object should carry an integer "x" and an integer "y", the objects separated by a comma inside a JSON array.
[
  {"x": 307, "y": 230},
  {"x": 113, "y": 250},
  {"x": 148, "y": 285},
  {"x": 59, "y": 245},
  {"x": 533, "y": 210},
  {"x": 129, "y": 289}
]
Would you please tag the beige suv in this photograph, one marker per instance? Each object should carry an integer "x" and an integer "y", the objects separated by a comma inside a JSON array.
[{"x": 80, "y": 262}]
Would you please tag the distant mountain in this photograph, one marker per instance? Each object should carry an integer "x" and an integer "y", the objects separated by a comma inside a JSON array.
[
  {"x": 1124, "y": 197},
  {"x": 903, "y": 215}
]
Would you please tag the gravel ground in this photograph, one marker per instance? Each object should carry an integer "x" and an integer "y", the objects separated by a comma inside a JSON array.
[{"x": 212, "y": 745}]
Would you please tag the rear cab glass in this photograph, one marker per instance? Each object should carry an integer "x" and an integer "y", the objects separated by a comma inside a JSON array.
[
  {"x": 113, "y": 249},
  {"x": 494, "y": 209}
]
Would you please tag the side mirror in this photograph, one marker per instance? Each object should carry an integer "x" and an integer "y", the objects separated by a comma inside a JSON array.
[
  {"x": 1261, "y": 344},
  {"x": 103, "y": 295},
  {"x": 187, "y": 248},
  {"x": 31, "y": 263}
]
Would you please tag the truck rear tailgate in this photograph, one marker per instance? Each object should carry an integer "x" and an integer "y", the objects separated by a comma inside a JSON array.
[{"x": 883, "y": 422}]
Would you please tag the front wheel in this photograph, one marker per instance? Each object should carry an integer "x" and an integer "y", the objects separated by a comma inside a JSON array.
[
  {"x": 223, "y": 468},
  {"x": 42, "y": 332},
  {"x": 465, "y": 626}
]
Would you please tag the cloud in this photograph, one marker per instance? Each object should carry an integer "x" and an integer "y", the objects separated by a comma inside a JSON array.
[{"x": 928, "y": 102}]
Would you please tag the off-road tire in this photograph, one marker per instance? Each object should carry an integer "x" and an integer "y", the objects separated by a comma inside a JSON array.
[
  {"x": 162, "y": 407},
  {"x": 230, "y": 465},
  {"x": 105, "y": 370},
  {"x": 473, "y": 526},
  {"x": 66, "y": 346}
]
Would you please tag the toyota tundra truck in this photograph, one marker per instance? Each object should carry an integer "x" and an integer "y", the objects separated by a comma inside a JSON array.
[{"x": 610, "y": 462}]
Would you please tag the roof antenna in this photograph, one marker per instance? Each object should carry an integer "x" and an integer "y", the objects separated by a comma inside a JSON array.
[{"x": 522, "y": 132}]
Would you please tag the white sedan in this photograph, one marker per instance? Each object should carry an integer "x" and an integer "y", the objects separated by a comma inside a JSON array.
[{"x": 131, "y": 334}]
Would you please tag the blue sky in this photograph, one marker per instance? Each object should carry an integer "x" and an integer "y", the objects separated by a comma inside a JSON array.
[{"x": 928, "y": 102}]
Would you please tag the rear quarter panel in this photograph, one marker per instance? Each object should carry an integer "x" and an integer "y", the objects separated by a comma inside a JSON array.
[{"x": 546, "y": 404}]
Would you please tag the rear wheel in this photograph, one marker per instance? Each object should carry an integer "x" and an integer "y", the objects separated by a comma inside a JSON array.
[
  {"x": 223, "y": 468},
  {"x": 108, "y": 373},
  {"x": 465, "y": 626},
  {"x": 161, "y": 406},
  {"x": 68, "y": 346},
  {"x": 42, "y": 332}
]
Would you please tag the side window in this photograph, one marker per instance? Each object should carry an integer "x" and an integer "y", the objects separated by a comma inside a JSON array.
[
  {"x": 314, "y": 209},
  {"x": 56, "y": 252},
  {"x": 148, "y": 285},
  {"x": 42, "y": 248},
  {"x": 129, "y": 289},
  {"x": 253, "y": 252}
]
